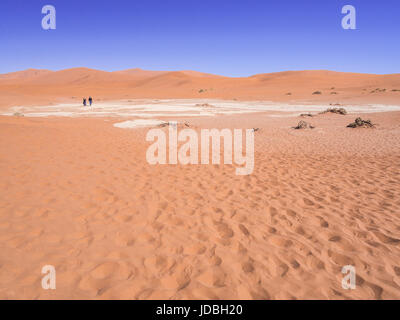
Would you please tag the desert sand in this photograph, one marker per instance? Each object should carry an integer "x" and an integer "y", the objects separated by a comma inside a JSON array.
[
  {"x": 78, "y": 193},
  {"x": 38, "y": 87}
]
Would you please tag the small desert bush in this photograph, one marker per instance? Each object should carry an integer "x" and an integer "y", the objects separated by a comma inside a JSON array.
[
  {"x": 304, "y": 125},
  {"x": 360, "y": 123},
  {"x": 335, "y": 110}
]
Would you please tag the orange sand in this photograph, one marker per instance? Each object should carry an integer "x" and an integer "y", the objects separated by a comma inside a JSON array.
[
  {"x": 78, "y": 194},
  {"x": 34, "y": 87}
]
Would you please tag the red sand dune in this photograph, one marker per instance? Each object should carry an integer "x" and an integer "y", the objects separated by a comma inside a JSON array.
[
  {"x": 26, "y": 74},
  {"x": 44, "y": 86}
]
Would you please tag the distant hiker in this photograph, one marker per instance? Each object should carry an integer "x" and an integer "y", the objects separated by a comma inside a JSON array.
[
  {"x": 90, "y": 101},
  {"x": 84, "y": 102}
]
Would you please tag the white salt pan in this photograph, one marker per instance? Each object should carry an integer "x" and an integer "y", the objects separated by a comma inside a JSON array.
[
  {"x": 145, "y": 109},
  {"x": 139, "y": 123}
]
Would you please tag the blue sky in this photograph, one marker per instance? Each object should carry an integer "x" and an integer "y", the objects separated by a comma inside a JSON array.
[{"x": 233, "y": 38}]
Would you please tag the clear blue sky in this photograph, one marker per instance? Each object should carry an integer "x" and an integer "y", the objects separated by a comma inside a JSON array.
[{"x": 228, "y": 37}]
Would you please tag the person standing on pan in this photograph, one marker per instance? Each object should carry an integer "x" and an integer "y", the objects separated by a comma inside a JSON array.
[
  {"x": 90, "y": 101},
  {"x": 84, "y": 102}
]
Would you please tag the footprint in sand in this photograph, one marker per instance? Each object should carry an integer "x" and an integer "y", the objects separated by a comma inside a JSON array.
[
  {"x": 195, "y": 249},
  {"x": 105, "y": 270},
  {"x": 102, "y": 195},
  {"x": 215, "y": 261},
  {"x": 122, "y": 217},
  {"x": 159, "y": 263},
  {"x": 175, "y": 281},
  {"x": 314, "y": 263},
  {"x": 224, "y": 230},
  {"x": 178, "y": 278},
  {"x": 214, "y": 277},
  {"x": 386, "y": 239},
  {"x": 110, "y": 269},
  {"x": 279, "y": 268},
  {"x": 340, "y": 259},
  {"x": 308, "y": 202},
  {"x": 244, "y": 230},
  {"x": 273, "y": 211},
  {"x": 93, "y": 286},
  {"x": 124, "y": 239},
  {"x": 246, "y": 292},
  {"x": 248, "y": 266},
  {"x": 280, "y": 241},
  {"x": 294, "y": 264}
]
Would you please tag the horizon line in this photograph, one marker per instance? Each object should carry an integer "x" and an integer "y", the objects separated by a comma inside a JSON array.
[{"x": 201, "y": 72}]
